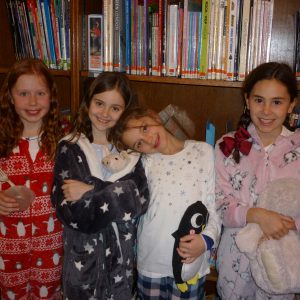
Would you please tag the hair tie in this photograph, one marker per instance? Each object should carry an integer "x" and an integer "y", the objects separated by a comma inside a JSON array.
[{"x": 241, "y": 141}]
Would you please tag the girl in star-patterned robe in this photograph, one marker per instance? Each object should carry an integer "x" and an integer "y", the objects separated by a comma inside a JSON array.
[
  {"x": 99, "y": 209},
  {"x": 30, "y": 240}
]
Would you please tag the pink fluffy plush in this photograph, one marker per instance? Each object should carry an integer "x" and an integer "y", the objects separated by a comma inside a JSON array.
[{"x": 275, "y": 264}]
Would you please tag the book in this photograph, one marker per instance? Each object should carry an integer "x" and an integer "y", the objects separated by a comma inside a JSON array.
[
  {"x": 23, "y": 53},
  {"x": 213, "y": 39},
  {"x": 45, "y": 10},
  {"x": 210, "y": 38},
  {"x": 180, "y": 36},
  {"x": 34, "y": 29},
  {"x": 297, "y": 54},
  {"x": 155, "y": 38},
  {"x": 61, "y": 13},
  {"x": 218, "y": 71},
  {"x": 266, "y": 30},
  {"x": 84, "y": 42},
  {"x": 146, "y": 41},
  {"x": 119, "y": 45},
  {"x": 134, "y": 37},
  {"x": 191, "y": 38},
  {"x": 56, "y": 38},
  {"x": 256, "y": 33},
  {"x": 95, "y": 42},
  {"x": 251, "y": 35},
  {"x": 28, "y": 37},
  {"x": 128, "y": 36},
  {"x": 41, "y": 26},
  {"x": 140, "y": 50},
  {"x": 239, "y": 11},
  {"x": 206, "y": 8},
  {"x": 108, "y": 35},
  {"x": 231, "y": 51},
  {"x": 242, "y": 70},
  {"x": 68, "y": 31},
  {"x": 163, "y": 37},
  {"x": 172, "y": 39}
]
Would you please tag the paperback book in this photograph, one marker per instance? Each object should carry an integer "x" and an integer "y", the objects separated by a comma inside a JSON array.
[{"x": 95, "y": 42}]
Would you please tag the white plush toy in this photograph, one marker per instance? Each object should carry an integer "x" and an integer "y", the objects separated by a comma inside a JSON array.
[
  {"x": 275, "y": 264},
  {"x": 115, "y": 162}
]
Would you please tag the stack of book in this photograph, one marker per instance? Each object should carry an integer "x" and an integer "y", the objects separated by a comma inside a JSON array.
[
  {"x": 41, "y": 29},
  {"x": 205, "y": 39}
]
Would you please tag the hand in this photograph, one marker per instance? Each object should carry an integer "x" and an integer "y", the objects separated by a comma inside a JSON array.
[
  {"x": 190, "y": 247},
  {"x": 7, "y": 204},
  {"x": 273, "y": 224},
  {"x": 74, "y": 189}
]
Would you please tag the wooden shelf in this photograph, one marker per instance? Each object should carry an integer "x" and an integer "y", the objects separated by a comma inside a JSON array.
[
  {"x": 181, "y": 81},
  {"x": 53, "y": 72}
]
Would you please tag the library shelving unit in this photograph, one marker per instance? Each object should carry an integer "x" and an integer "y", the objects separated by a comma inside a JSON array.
[{"x": 216, "y": 101}]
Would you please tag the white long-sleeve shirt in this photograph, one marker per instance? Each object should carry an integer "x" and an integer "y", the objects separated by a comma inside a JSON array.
[{"x": 175, "y": 182}]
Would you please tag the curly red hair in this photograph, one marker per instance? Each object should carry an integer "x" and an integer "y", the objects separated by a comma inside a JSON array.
[{"x": 11, "y": 127}]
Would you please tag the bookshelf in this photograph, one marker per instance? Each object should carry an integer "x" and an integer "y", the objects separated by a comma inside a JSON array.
[{"x": 216, "y": 101}]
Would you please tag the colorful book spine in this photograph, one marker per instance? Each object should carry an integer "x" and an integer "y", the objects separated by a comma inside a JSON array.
[
  {"x": 134, "y": 37},
  {"x": 28, "y": 30},
  {"x": 149, "y": 37},
  {"x": 146, "y": 38},
  {"x": 244, "y": 40},
  {"x": 205, "y": 38},
  {"x": 211, "y": 40},
  {"x": 34, "y": 25},
  {"x": 48, "y": 32},
  {"x": 199, "y": 45},
  {"x": 60, "y": 6},
  {"x": 297, "y": 54},
  {"x": 68, "y": 32},
  {"x": 95, "y": 43},
  {"x": 231, "y": 40},
  {"x": 23, "y": 53},
  {"x": 119, "y": 45},
  {"x": 46, "y": 50},
  {"x": 106, "y": 35},
  {"x": 55, "y": 30},
  {"x": 185, "y": 40},
  {"x": 219, "y": 46},
  {"x": 172, "y": 39},
  {"x": 128, "y": 36},
  {"x": 267, "y": 29},
  {"x": 180, "y": 45}
]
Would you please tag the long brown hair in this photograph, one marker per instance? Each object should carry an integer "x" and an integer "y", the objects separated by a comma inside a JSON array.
[
  {"x": 105, "y": 81},
  {"x": 11, "y": 126},
  {"x": 270, "y": 70}
]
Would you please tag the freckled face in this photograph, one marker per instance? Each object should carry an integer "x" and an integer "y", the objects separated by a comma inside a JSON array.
[
  {"x": 105, "y": 110},
  {"x": 145, "y": 135},
  {"x": 31, "y": 99},
  {"x": 269, "y": 103}
]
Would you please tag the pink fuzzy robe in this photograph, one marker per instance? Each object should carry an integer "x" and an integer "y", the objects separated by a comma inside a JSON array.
[{"x": 237, "y": 189}]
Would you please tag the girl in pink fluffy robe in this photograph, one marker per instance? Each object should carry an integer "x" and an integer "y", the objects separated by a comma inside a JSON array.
[{"x": 261, "y": 150}]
